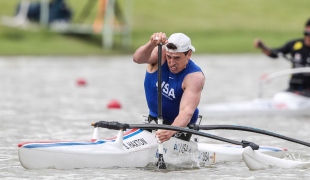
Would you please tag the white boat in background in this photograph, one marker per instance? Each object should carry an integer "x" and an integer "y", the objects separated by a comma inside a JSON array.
[
  {"x": 130, "y": 148},
  {"x": 282, "y": 103}
]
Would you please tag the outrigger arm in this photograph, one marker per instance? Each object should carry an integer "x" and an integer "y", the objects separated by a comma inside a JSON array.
[{"x": 123, "y": 126}]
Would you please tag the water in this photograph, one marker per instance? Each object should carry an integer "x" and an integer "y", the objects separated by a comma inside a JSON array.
[{"x": 40, "y": 100}]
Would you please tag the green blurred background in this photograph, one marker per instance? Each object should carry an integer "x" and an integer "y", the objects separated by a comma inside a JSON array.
[{"x": 215, "y": 26}]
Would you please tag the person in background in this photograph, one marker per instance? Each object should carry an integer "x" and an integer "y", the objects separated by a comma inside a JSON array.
[
  {"x": 182, "y": 82},
  {"x": 58, "y": 10},
  {"x": 299, "y": 50}
]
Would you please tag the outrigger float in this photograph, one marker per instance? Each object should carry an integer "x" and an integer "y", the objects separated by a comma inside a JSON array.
[{"x": 136, "y": 146}]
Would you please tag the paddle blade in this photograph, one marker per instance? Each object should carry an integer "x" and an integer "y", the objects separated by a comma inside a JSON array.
[{"x": 161, "y": 163}]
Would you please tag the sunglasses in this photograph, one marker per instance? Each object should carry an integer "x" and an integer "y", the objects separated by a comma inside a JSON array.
[{"x": 307, "y": 33}]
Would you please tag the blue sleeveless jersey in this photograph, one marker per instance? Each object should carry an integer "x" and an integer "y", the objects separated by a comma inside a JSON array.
[{"x": 171, "y": 91}]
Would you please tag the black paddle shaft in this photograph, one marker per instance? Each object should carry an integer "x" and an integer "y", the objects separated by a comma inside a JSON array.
[
  {"x": 161, "y": 163},
  {"x": 159, "y": 82}
]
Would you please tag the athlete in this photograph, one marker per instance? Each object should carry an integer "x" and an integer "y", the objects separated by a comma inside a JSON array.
[
  {"x": 299, "y": 51},
  {"x": 182, "y": 81}
]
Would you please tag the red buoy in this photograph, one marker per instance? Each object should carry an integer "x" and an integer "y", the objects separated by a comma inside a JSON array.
[
  {"x": 114, "y": 104},
  {"x": 81, "y": 82}
]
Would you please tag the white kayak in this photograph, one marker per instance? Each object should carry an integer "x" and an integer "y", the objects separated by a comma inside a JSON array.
[
  {"x": 258, "y": 161},
  {"x": 282, "y": 103},
  {"x": 130, "y": 148}
]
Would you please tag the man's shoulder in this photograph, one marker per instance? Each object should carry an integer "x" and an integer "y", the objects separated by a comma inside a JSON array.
[{"x": 194, "y": 66}]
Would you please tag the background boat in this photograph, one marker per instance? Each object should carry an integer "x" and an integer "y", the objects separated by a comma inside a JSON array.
[{"x": 282, "y": 103}]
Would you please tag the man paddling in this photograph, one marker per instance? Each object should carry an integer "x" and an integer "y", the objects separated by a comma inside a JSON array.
[
  {"x": 299, "y": 50},
  {"x": 182, "y": 82}
]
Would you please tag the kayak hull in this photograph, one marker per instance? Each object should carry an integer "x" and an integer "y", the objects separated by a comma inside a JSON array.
[{"x": 132, "y": 148}]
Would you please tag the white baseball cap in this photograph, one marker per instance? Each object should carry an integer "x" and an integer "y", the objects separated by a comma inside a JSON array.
[{"x": 181, "y": 41}]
